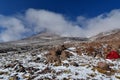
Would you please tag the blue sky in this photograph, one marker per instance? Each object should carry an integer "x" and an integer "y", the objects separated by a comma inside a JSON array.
[
  {"x": 73, "y": 8},
  {"x": 82, "y": 18}
]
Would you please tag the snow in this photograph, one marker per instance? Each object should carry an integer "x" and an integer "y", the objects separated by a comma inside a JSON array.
[
  {"x": 72, "y": 48},
  {"x": 67, "y": 42},
  {"x": 83, "y": 71}
]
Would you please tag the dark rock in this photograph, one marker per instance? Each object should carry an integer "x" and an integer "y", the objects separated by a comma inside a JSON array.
[
  {"x": 9, "y": 65},
  {"x": 20, "y": 68},
  {"x": 66, "y": 64},
  {"x": 46, "y": 70},
  {"x": 74, "y": 64}
]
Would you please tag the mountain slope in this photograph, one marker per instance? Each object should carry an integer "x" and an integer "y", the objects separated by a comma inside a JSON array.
[
  {"x": 106, "y": 36},
  {"x": 44, "y": 39},
  {"x": 32, "y": 59}
]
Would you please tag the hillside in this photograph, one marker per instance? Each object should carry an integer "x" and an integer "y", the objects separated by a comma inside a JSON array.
[
  {"x": 48, "y": 56},
  {"x": 110, "y": 35},
  {"x": 42, "y": 40}
]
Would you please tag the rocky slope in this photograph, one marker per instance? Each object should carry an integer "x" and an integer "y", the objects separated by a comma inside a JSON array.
[
  {"x": 43, "y": 40},
  {"x": 34, "y": 65},
  {"x": 110, "y": 35},
  {"x": 52, "y": 57}
]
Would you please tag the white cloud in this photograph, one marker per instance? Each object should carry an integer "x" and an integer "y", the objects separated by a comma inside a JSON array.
[
  {"x": 53, "y": 22},
  {"x": 34, "y": 21},
  {"x": 13, "y": 28},
  {"x": 102, "y": 23}
]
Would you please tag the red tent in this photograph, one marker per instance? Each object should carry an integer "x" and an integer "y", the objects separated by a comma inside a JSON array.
[{"x": 113, "y": 55}]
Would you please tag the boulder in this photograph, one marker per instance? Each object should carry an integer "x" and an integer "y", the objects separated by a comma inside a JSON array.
[{"x": 103, "y": 65}]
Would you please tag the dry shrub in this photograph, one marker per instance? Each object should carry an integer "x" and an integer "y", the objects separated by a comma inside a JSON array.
[
  {"x": 106, "y": 72},
  {"x": 118, "y": 77},
  {"x": 78, "y": 51},
  {"x": 65, "y": 55}
]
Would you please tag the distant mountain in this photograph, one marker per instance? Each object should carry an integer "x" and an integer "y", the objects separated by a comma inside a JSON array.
[
  {"x": 41, "y": 39},
  {"x": 48, "y": 39},
  {"x": 109, "y": 35}
]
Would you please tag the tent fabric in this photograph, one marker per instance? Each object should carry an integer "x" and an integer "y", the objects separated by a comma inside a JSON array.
[{"x": 113, "y": 55}]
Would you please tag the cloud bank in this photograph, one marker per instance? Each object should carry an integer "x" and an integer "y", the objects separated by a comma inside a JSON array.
[
  {"x": 34, "y": 21},
  {"x": 11, "y": 28}
]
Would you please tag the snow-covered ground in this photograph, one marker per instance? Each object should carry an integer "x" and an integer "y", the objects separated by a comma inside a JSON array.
[{"x": 32, "y": 65}]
